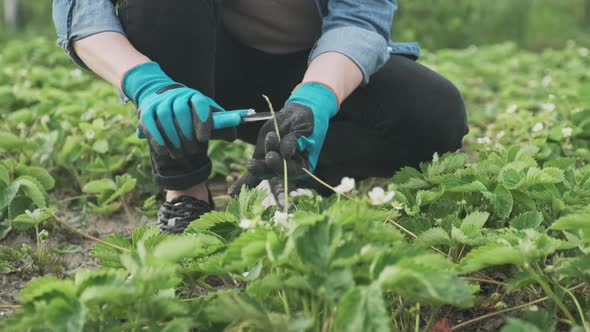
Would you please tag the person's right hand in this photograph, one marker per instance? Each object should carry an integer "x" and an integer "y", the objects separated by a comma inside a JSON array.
[{"x": 174, "y": 118}]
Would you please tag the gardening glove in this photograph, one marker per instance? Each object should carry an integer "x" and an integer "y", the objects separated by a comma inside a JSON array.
[
  {"x": 303, "y": 124},
  {"x": 175, "y": 119}
]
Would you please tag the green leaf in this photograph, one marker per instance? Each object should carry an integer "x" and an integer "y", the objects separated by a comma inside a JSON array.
[
  {"x": 40, "y": 174},
  {"x": 5, "y": 227},
  {"x": 104, "y": 210},
  {"x": 231, "y": 306},
  {"x": 46, "y": 288},
  {"x": 425, "y": 197},
  {"x": 32, "y": 189},
  {"x": 223, "y": 224},
  {"x": 424, "y": 284},
  {"x": 448, "y": 163},
  {"x": 10, "y": 142},
  {"x": 315, "y": 243},
  {"x": 67, "y": 248},
  {"x": 410, "y": 178},
  {"x": 245, "y": 251},
  {"x": 173, "y": 249},
  {"x": 248, "y": 205},
  {"x": 530, "y": 219},
  {"x": 69, "y": 150},
  {"x": 4, "y": 176},
  {"x": 125, "y": 188},
  {"x": 362, "y": 309},
  {"x": 18, "y": 206},
  {"x": 510, "y": 177},
  {"x": 455, "y": 185},
  {"x": 99, "y": 186},
  {"x": 433, "y": 237},
  {"x": 109, "y": 256},
  {"x": 490, "y": 255},
  {"x": 24, "y": 222},
  {"x": 29, "y": 219},
  {"x": 575, "y": 221},
  {"x": 101, "y": 146},
  {"x": 468, "y": 234},
  {"x": 476, "y": 219},
  {"x": 502, "y": 202},
  {"x": 7, "y": 194}
]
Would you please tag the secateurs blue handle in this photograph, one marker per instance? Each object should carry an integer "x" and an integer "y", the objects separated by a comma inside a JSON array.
[{"x": 230, "y": 119}]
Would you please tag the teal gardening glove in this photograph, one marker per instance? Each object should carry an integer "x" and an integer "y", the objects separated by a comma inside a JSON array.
[
  {"x": 175, "y": 119},
  {"x": 303, "y": 123}
]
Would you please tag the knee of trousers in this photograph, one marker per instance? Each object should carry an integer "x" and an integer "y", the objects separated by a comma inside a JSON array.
[{"x": 448, "y": 122}]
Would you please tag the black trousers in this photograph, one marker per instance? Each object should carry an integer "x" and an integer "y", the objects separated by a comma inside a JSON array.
[{"x": 405, "y": 114}]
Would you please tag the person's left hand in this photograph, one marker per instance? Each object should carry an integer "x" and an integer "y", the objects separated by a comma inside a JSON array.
[{"x": 303, "y": 124}]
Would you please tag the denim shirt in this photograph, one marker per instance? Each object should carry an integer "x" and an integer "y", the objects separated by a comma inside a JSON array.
[{"x": 358, "y": 29}]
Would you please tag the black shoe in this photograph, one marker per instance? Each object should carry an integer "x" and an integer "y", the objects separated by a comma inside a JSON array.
[{"x": 175, "y": 216}]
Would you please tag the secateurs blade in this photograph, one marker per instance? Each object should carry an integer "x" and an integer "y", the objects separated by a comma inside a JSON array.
[{"x": 229, "y": 119}]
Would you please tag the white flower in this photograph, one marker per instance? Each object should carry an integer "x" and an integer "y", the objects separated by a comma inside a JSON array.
[
  {"x": 378, "y": 196},
  {"x": 282, "y": 218},
  {"x": 512, "y": 108},
  {"x": 567, "y": 132},
  {"x": 90, "y": 135},
  {"x": 547, "y": 80},
  {"x": 484, "y": 140},
  {"x": 584, "y": 52},
  {"x": 77, "y": 73},
  {"x": 346, "y": 185},
  {"x": 548, "y": 107},
  {"x": 301, "y": 192},
  {"x": 500, "y": 134},
  {"x": 435, "y": 157},
  {"x": 538, "y": 127},
  {"x": 247, "y": 223}
]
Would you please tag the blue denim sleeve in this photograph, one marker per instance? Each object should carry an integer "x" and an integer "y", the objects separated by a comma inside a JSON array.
[
  {"x": 76, "y": 19},
  {"x": 360, "y": 30}
]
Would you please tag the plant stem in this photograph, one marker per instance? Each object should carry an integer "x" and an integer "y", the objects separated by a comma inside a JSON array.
[
  {"x": 580, "y": 311},
  {"x": 206, "y": 285},
  {"x": 38, "y": 238},
  {"x": 285, "y": 175},
  {"x": 127, "y": 212},
  {"x": 283, "y": 297},
  {"x": 325, "y": 184},
  {"x": 88, "y": 236},
  {"x": 10, "y": 306},
  {"x": 552, "y": 294},
  {"x": 417, "y": 324},
  {"x": 73, "y": 198},
  {"x": 480, "y": 318}
]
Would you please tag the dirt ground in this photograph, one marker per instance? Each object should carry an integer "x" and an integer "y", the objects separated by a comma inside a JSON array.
[{"x": 66, "y": 264}]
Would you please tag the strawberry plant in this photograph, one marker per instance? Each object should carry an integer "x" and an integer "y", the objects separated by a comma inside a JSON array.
[{"x": 499, "y": 229}]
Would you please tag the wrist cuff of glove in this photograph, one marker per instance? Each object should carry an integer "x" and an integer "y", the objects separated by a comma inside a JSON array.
[
  {"x": 144, "y": 79},
  {"x": 317, "y": 96}
]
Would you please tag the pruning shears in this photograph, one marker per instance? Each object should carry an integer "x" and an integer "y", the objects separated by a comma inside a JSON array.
[{"x": 230, "y": 119}]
